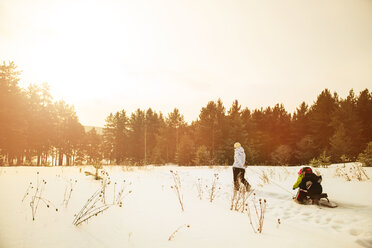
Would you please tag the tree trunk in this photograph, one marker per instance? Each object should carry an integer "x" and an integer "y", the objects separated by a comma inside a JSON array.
[
  {"x": 10, "y": 160},
  {"x": 60, "y": 158},
  {"x": 20, "y": 160}
]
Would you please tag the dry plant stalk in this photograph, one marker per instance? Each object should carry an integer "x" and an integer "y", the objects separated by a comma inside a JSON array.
[
  {"x": 68, "y": 192},
  {"x": 118, "y": 199},
  {"x": 354, "y": 171},
  {"x": 341, "y": 172},
  {"x": 177, "y": 187},
  {"x": 265, "y": 178},
  {"x": 365, "y": 173},
  {"x": 104, "y": 182},
  {"x": 239, "y": 199},
  {"x": 272, "y": 172},
  {"x": 213, "y": 190},
  {"x": 359, "y": 172},
  {"x": 174, "y": 233},
  {"x": 90, "y": 208},
  {"x": 97, "y": 204},
  {"x": 37, "y": 196},
  {"x": 257, "y": 220},
  {"x": 199, "y": 187},
  {"x": 27, "y": 191}
]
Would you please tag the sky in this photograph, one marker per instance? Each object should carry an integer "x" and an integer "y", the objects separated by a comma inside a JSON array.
[{"x": 105, "y": 56}]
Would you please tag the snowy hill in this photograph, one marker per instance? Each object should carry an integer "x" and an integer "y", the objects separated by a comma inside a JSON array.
[{"x": 150, "y": 213}]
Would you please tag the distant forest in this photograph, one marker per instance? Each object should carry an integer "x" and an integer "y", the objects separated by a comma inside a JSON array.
[{"x": 35, "y": 130}]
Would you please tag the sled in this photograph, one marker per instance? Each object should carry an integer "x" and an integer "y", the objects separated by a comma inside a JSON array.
[
  {"x": 320, "y": 200},
  {"x": 326, "y": 203}
]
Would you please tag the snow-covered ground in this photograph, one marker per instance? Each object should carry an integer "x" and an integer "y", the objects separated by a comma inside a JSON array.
[{"x": 151, "y": 214}]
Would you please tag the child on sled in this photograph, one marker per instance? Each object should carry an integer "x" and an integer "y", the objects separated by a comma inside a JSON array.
[{"x": 309, "y": 186}]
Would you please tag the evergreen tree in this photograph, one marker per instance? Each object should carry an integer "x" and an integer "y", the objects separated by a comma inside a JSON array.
[
  {"x": 237, "y": 132},
  {"x": 175, "y": 125},
  {"x": 185, "y": 153},
  {"x": 348, "y": 129},
  {"x": 305, "y": 150},
  {"x": 41, "y": 123},
  {"x": 93, "y": 147},
  {"x": 202, "y": 156},
  {"x": 12, "y": 111},
  {"x": 364, "y": 113},
  {"x": 69, "y": 133},
  {"x": 212, "y": 131},
  {"x": 159, "y": 152},
  {"x": 280, "y": 130},
  {"x": 109, "y": 138},
  {"x": 258, "y": 136},
  {"x": 153, "y": 124},
  {"x": 340, "y": 144},
  {"x": 300, "y": 122},
  {"x": 137, "y": 125},
  {"x": 281, "y": 155},
  {"x": 320, "y": 118},
  {"x": 116, "y": 137},
  {"x": 34, "y": 128},
  {"x": 366, "y": 156},
  {"x": 300, "y": 128}
]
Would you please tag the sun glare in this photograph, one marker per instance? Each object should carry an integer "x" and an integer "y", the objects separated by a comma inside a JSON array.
[
  {"x": 170, "y": 53},
  {"x": 74, "y": 54}
]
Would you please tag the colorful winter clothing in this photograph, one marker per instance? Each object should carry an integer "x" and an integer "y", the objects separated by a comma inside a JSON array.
[
  {"x": 309, "y": 185},
  {"x": 299, "y": 180}
]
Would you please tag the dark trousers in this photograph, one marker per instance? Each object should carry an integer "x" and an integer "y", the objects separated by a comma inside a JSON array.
[
  {"x": 301, "y": 195},
  {"x": 312, "y": 192},
  {"x": 238, "y": 174}
]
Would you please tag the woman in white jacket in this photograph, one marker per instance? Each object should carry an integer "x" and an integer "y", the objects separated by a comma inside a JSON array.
[{"x": 239, "y": 167}]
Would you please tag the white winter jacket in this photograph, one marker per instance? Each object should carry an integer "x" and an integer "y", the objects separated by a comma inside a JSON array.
[{"x": 239, "y": 158}]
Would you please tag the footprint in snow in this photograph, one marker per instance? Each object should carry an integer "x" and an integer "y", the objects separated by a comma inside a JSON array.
[
  {"x": 336, "y": 227},
  {"x": 338, "y": 221},
  {"x": 365, "y": 242},
  {"x": 328, "y": 220},
  {"x": 355, "y": 232}
]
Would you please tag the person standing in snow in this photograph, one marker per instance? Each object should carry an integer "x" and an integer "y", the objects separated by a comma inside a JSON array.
[{"x": 239, "y": 167}]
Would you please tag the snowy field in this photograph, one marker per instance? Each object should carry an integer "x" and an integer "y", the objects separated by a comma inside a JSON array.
[{"x": 142, "y": 209}]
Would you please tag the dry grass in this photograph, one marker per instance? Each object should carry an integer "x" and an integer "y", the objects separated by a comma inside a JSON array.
[
  {"x": 177, "y": 230},
  {"x": 213, "y": 189},
  {"x": 98, "y": 203},
  {"x": 37, "y": 196},
  {"x": 256, "y": 219},
  {"x": 264, "y": 178},
  {"x": 199, "y": 187},
  {"x": 356, "y": 172},
  {"x": 91, "y": 208},
  {"x": 68, "y": 192},
  {"x": 239, "y": 199},
  {"x": 177, "y": 188}
]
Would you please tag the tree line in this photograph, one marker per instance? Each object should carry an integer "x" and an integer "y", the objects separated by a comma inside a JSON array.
[{"x": 36, "y": 130}]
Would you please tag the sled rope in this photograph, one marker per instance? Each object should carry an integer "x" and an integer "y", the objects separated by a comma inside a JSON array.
[{"x": 272, "y": 181}]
